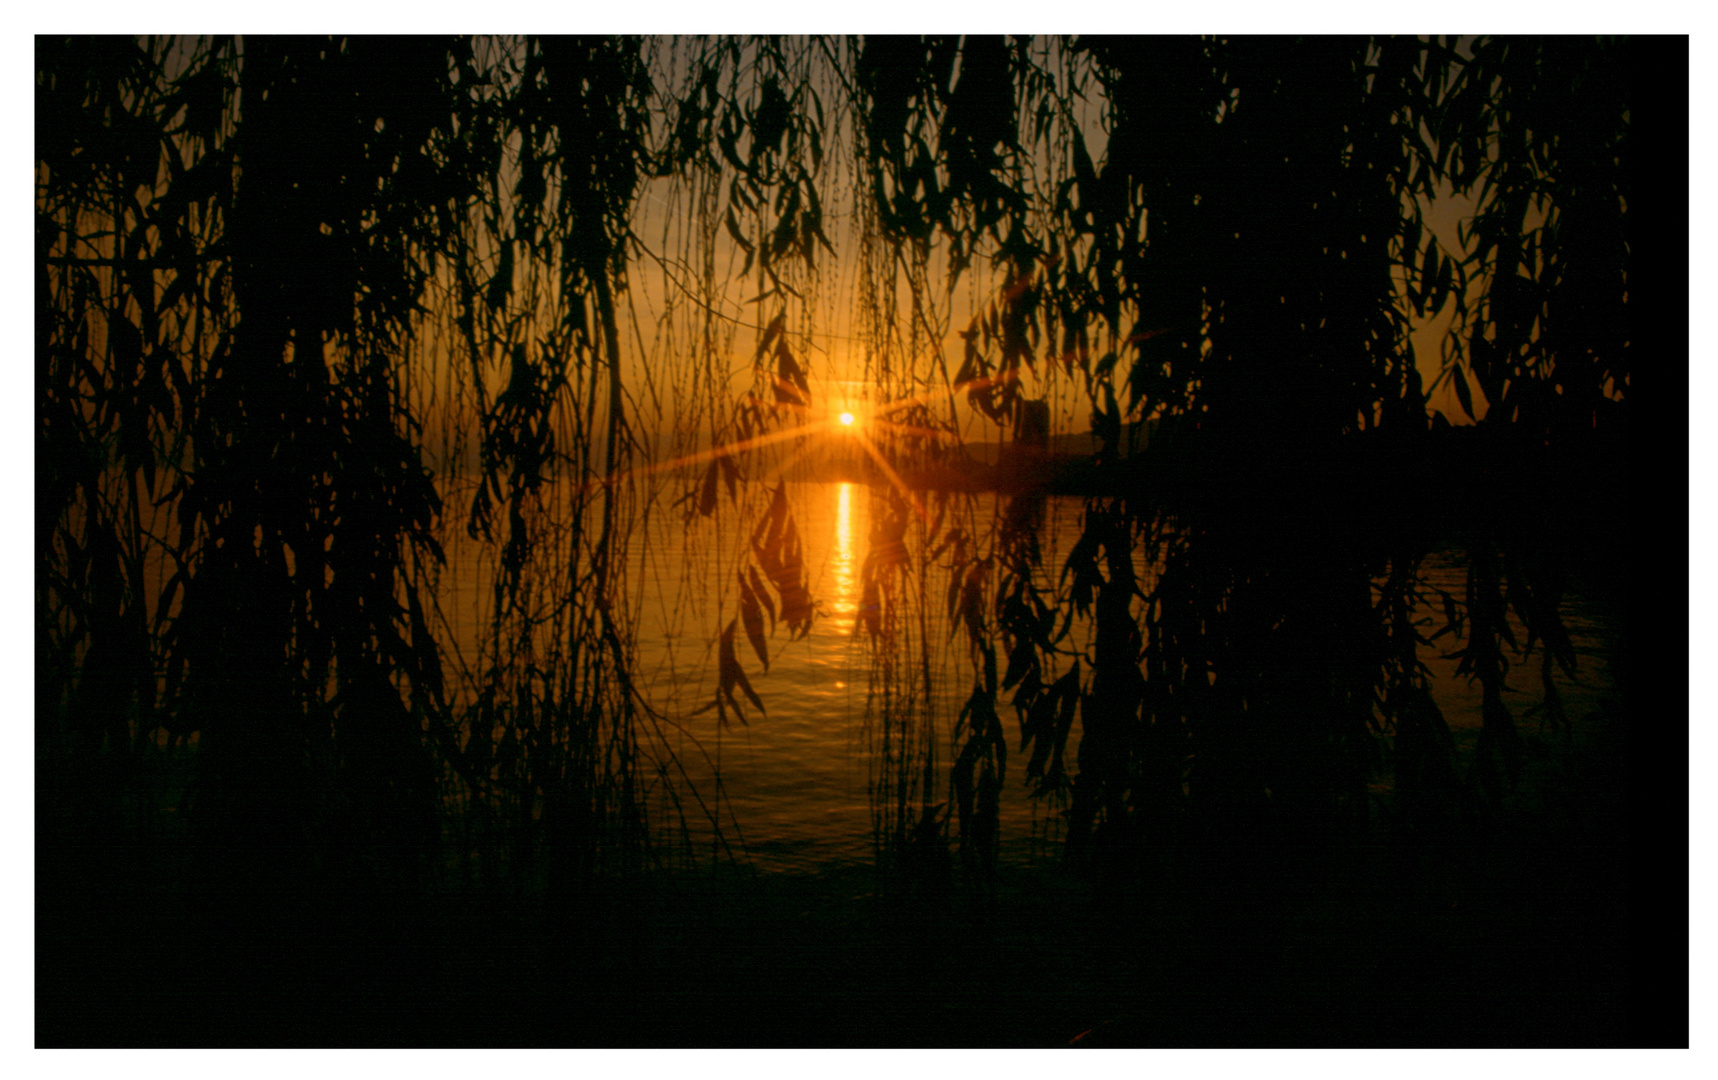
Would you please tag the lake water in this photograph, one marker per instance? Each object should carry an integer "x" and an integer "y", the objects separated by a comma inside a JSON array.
[{"x": 793, "y": 791}]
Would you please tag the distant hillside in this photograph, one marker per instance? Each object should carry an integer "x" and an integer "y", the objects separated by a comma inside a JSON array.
[{"x": 819, "y": 457}]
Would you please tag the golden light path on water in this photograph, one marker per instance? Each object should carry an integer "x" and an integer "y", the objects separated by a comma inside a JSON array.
[{"x": 845, "y": 606}]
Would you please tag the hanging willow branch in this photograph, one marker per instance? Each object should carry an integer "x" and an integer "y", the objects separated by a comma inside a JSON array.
[{"x": 297, "y": 293}]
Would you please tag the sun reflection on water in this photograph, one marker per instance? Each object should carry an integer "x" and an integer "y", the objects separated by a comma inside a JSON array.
[{"x": 845, "y": 603}]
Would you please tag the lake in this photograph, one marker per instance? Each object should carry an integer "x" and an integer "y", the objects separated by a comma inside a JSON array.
[{"x": 793, "y": 790}]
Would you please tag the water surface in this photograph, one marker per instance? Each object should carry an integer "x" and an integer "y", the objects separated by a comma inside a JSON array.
[{"x": 791, "y": 786}]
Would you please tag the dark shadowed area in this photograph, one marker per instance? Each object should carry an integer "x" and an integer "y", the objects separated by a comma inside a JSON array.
[{"x": 849, "y": 541}]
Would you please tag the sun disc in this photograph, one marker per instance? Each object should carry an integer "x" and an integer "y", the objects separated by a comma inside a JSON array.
[{"x": 846, "y": 419}]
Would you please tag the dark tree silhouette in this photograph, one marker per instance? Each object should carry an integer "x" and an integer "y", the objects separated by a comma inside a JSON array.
[{"x": 302, "y": 303}]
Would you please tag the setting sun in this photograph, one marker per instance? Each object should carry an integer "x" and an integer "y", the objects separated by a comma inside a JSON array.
[{"x": 637, "y": 474}]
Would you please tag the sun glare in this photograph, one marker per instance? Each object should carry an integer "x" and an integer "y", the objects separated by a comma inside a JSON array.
[{"x": 846, "y": 419}]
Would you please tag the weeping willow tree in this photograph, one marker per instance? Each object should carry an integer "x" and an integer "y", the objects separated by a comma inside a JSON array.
[
  {"x": 235, "y": 513},
  {"x": 318, "y": 317}
]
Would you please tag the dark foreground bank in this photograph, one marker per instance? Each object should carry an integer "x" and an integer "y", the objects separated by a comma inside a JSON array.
[{"x": 1513, "y": 933}]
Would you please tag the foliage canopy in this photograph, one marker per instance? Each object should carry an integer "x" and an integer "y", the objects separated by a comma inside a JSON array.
[{"x": 297, "y": 296}]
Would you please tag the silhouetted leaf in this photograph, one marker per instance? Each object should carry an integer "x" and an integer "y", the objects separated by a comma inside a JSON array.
[
  {"x": 731, "y": 674},
  {"x": 772, "y": 334},
  {"x": 761, "y": 594},
  {"x": 707, "y": 490},
  {"x": 730, "y": 473},
  {"x": 1021, "y": 660},
  {"x": 791, "y": 387},
  {"x": 752, "y": 616},
  {"x": 1463, "y": 394}
]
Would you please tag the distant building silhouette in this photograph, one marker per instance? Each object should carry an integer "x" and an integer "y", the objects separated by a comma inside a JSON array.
[{"x": 1031, "y": 443}]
